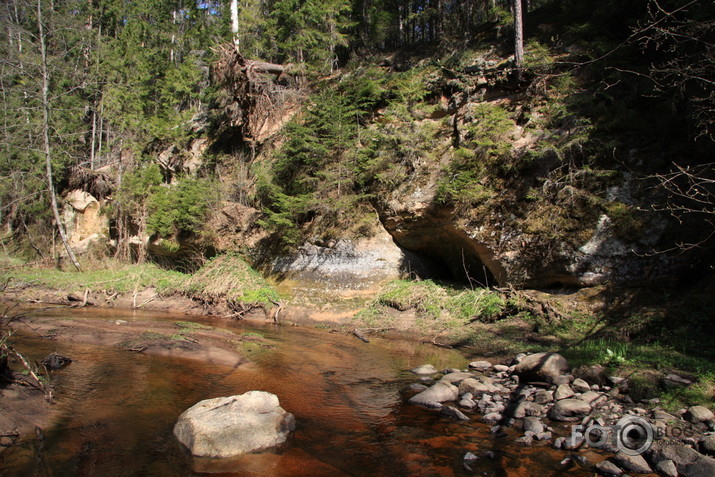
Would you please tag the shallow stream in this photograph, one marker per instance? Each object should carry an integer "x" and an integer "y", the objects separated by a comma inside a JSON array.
[{"x": 117, "y": 410}]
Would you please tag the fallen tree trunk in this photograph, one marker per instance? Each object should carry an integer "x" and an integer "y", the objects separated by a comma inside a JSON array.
[{"x": 263, "y": 67}]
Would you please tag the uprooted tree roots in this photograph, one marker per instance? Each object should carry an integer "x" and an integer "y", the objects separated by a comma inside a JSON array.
[{"x": 259, "y": 92}]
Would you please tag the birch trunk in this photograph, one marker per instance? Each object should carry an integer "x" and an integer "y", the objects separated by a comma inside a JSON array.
[
  {"x": 234, "y": 23},
  {"x": 46, "y": 137},
  {"x": 518, "y": 34}
]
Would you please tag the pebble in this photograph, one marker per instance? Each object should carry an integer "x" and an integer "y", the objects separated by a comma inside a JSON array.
[
  {"x": 667, "y": 468},
  {"x": 608, "y": 468},
  {"x": 480, "y": 365},
  {"x": 633, "y": 463},
  {"x": 707, "y": 444},
  {"x": 580, "y": 386},
  {"x": 492, "y": 418},
  {"x": 573, "y": 442},
  {"x": 467, "y": 403},
  {"x": 424, "y": 369},
  {"x": 525, "y": 440},
  {"x": 469, "y": 460},
  {"x": 563, "y": 391},
  {"x": 533, "y": 424}
]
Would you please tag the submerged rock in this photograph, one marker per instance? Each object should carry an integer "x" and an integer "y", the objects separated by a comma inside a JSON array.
[
  {"x": 449, "y": 411},
  {"x": 469, "y": 460},
  {"x": 56, "y": 361},
  {"x": 235, "y": 425}
]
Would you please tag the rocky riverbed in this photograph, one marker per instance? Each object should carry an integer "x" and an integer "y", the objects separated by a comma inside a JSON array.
[{"x": 574, "y": 411}]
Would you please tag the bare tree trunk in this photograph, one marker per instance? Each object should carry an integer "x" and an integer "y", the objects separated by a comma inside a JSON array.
[
  {"x": 46, "y": 138},
  {"x": 101, "y": 127},
  {"x": 518, "y": 34},
  {"x": 93, "y": 141},
  {"x": 234, "y": 23}
]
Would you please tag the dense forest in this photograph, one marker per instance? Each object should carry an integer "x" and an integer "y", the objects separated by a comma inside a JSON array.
[{"x": 108, "y": 97}]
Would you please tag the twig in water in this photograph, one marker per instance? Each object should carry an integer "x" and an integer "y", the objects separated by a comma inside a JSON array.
[{"x": 358, "y": 332}]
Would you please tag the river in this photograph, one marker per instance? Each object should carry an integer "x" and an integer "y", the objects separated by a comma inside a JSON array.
[{"x": 117, "y": 410}]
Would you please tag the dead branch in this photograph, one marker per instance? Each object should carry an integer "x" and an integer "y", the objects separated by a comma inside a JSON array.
[
  {"x": 38, "y": 384},
  {"x": 360, "y": 332},
  {"x": 360, "y": 336},
  {"x": 243, "y": 309},
  {"x": 148, "y": 300},
  {"x": 276, "y": 311},
  {"x": 440, "y": 345}
]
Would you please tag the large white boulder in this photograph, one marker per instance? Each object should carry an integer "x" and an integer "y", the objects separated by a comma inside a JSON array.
[{"x": 235, "y": 425}]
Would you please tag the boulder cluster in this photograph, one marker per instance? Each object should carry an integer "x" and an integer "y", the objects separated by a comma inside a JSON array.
[{"x": 535, "y": 392}]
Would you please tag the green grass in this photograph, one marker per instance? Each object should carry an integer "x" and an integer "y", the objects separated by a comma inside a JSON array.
[
  {"x": 191, "y": 325},
  {"x": 442, "y": 302},
  {"x": 114, "y": 279},
  {"x": 252, "y": 334},
  {"x": 226, "y": 277},
  {"x": 645, "y": 364},
  {"x": 436, "y": 305}
]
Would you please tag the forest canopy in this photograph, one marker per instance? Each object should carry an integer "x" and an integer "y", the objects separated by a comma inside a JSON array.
[{"x": 128, "y": 79}]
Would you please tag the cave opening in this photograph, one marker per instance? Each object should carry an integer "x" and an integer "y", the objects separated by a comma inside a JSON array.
[{"x": 446, "y": 254}]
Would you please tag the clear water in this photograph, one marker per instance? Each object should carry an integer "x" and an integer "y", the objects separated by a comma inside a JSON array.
[{"x": 118, "y": 408}]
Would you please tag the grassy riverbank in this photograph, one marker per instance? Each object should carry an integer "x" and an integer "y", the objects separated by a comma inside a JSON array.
[{"x": 226, "y": 279}]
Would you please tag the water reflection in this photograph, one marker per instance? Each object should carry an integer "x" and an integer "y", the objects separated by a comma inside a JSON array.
[{"x": 118, "y": 409}]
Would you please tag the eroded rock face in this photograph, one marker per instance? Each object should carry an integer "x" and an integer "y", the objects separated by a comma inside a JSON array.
[
  {"x": 235, "y": 425},
  {"x": 84, "y": 220},
  {"x": 497, "y": 247},
  {"x": 349, "y": 263}
]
